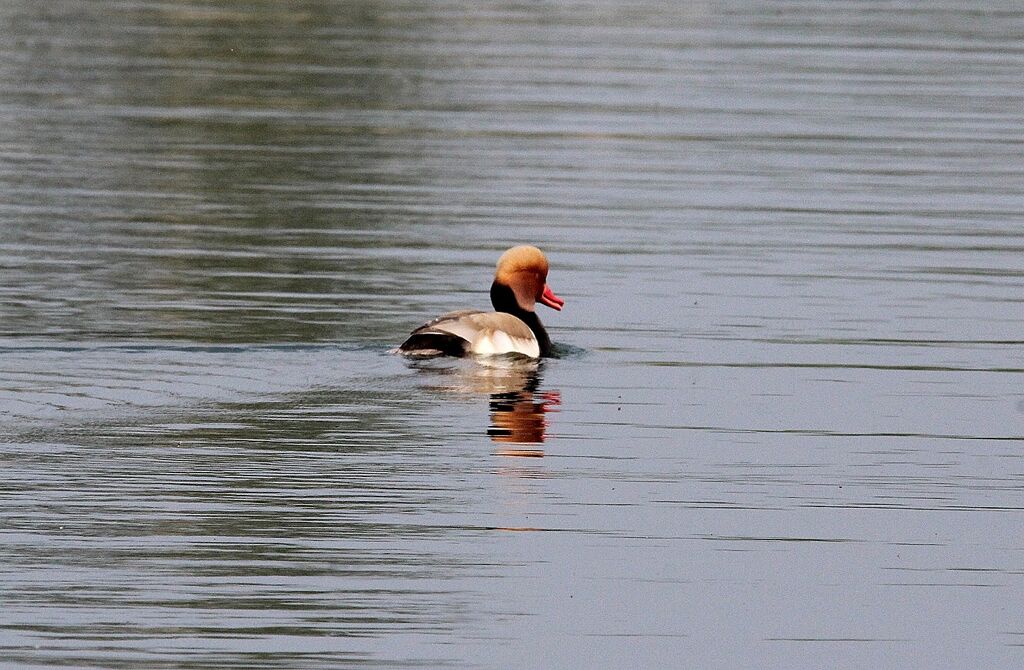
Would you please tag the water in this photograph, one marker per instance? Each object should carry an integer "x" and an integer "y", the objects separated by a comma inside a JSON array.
[{"x": 786, "y": 426}]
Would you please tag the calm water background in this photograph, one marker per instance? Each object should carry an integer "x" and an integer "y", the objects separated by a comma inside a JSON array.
[{"x": 788, "y": 425}]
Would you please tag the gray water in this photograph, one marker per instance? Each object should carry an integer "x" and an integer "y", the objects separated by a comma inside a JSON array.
[{"x": 786, "y": 427}]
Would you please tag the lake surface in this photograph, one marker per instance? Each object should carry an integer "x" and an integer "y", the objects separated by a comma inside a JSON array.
[{"x": 786, "y": 428}]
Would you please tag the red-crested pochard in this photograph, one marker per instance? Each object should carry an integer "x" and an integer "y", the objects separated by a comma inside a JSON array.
[{"x": 519, "y": 283}]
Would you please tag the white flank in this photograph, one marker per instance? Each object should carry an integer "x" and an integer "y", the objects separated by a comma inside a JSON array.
[{"x": 495, "y": 342}]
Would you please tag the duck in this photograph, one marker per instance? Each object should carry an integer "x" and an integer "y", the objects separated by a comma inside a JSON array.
[{"x": 520, "y": 282}]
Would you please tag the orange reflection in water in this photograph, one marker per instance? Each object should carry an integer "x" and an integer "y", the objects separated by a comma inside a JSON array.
[{"x": 521, "y": 417}]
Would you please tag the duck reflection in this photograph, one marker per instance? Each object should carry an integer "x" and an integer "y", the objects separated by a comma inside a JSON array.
[
  {"x": 518, "y": 409},
  {"x": 521, "y": 417}
]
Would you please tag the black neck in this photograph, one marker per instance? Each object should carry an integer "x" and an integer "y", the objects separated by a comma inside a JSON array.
[{"x": 504, "y": 300}]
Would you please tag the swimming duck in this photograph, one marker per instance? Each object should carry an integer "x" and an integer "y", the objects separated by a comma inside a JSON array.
[{"x": 520, "y": 281}]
